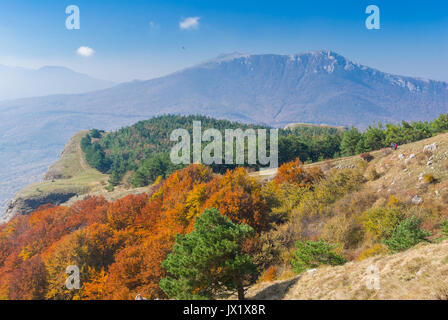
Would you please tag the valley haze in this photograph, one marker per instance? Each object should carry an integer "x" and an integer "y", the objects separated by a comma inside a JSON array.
[{"x": 315, "y": 87}]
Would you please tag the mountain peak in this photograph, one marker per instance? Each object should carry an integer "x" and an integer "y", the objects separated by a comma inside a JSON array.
[
  {"x": 55, "y": 69},
  {"x": 225, "y": 57},
  {"x": 318, "y": 57}
]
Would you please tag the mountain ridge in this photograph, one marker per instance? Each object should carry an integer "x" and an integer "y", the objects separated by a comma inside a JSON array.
[
  {"x": 20, "y": 82},
  {"x": 317, "y": 87}
]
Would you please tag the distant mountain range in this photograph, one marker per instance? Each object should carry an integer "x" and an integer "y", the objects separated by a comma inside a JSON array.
[
  {"x": 316, "y": 87},
  {"x": 16, "y": 82}
]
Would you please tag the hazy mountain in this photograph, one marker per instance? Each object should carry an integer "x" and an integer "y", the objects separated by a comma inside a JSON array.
[
  {"x": 317, "y": 87},
  {"x": 18, "y": 82}
]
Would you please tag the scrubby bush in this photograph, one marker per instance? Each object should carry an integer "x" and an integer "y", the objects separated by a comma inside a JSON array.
[
  {"x": 311, "y": 254},
  {"x": 342, "y": 229},
  {"x": 376, "y": 250},
  {"x": 382, "y": 222},
  {"x": 428, "y": 178},
  {"x": 337, "y": 184},
  {"x": 393, "y": 201},
  {"x": 269, "y": 275},
  {"x": 445, "y": 228},
  {"x": 372, "y": 174},
  {"x": 366, "y": 156},
  {"x": 407, "y": 235}
]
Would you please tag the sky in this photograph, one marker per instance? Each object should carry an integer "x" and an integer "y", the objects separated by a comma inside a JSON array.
[{"x": 142, "y": 39}]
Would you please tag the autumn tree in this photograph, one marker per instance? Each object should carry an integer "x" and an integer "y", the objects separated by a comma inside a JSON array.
[
  {"x": 239, "y": 197},
  {"x": 294, "y": 173},
  {"x": 137, "y": 269},
  {"x": 209, "y": 262},
  {"x": 91, "y": 249},
  {"x": 28, "y": 281}
]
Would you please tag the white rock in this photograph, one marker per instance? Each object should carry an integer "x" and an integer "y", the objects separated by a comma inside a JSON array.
[
  {"x": 400, "y": 156},
  {"x": 311, "y": 272},
  {"x": 430, "y": 147},
  {"x": 412, "y": 156},
  {"x": 417, "y": 200}
]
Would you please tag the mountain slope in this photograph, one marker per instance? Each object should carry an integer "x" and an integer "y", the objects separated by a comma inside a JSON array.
[
  {"x": 317, "y": 87},
  {"x": 418, "y": 273},
  {"x": 18, "y": 82}
]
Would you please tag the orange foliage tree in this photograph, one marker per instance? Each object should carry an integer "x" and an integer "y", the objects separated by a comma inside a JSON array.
[
  {"x": 119, "y": 246},
  {"x": 294, "y": 173}
]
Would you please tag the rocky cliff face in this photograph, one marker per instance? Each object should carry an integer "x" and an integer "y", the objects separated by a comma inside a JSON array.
[
  {"x": 24, "y": 205},
  {"x": 66, "y": 178}
]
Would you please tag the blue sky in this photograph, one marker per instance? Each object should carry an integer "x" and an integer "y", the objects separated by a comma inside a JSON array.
[{"x": 142, "y": 39}]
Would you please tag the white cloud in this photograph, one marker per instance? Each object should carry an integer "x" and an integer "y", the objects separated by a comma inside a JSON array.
[
  {"x": 85, "y": 51},
  {"x": 189, "y": 23}
]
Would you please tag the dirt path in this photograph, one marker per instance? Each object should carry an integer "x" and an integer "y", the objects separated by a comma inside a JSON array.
[{"x": 82, "y": 159}]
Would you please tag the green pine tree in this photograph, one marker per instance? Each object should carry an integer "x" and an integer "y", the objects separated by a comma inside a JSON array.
[
  {"x": 407, "y": 235},
  {"x": 361, "y": 147},
  {"x": 311, "y": 254},
  {"x": 349, "y": 141},
  {"x": 209, "y": 262}
]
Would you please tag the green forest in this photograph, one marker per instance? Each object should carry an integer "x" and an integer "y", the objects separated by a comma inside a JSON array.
[{"x": 143, "y": 148}]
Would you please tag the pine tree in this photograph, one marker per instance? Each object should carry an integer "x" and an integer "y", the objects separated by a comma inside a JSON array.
[
  {"x": 349, "y": 141},
  {"x": 407, "y": 235},
  {"x": 209, "y": 262}
]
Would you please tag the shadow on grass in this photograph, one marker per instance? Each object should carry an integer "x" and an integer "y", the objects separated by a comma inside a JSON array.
[{"x": 275, "y": 291}]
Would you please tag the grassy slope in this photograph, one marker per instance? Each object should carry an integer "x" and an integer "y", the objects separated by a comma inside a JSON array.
[
  {"x": 70, "y": 173},
  {"x": 418, "y": 273},
  {"x": 415, "y": 273},
  {"x": 310, "y": 125},
  {"x": 73, "y": 174}
]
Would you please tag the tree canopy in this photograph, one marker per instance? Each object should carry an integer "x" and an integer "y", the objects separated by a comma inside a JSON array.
[{"x": 209, "y": 261}]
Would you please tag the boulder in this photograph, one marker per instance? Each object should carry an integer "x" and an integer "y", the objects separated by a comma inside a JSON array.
[
  {"x": 430, "y": 147},
  {"x": 311, "y": 272}
]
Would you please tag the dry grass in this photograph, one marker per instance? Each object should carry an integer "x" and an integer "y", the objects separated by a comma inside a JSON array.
[
  {"x": 418, "y": 273},
  {"x": 72, "y": 174}
]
